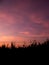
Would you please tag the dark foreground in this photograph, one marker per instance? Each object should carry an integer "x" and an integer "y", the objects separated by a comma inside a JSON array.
[
  {"x": 33, "y": 53},
  {"x": 31, "y": 50}
]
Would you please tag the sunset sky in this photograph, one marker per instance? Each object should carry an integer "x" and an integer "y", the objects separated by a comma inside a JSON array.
[{"x": 24, "y": 20}]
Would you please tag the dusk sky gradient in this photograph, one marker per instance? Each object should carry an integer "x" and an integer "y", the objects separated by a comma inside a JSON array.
[{"x": 24, "y": 20}]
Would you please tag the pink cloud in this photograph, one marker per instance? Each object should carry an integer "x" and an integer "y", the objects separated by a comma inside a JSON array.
[
  {"x": 5, "y": 18},
  {"x": 46, "y": 24},
  {"x": 26, "y": 33}
]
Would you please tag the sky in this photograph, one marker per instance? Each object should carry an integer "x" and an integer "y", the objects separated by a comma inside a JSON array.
[{"x": 23, "y": 20}]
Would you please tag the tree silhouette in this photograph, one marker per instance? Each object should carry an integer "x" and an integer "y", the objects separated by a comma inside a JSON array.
[{"x": 12, "y": 45}]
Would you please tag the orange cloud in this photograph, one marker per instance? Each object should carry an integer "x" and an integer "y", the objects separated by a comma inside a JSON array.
[
  {"x": 26, "y": 33},
  {"x": 11, "y": 38}
]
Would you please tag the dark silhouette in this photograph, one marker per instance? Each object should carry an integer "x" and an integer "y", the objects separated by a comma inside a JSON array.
[
  {"x": 33, "y": 48},
  {"x": 34, "y": 44}
]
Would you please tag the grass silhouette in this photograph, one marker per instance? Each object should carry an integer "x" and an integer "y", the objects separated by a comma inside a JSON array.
[
  {"x": 31, "y": 49},
  {"x": 33, "y": 45}
]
